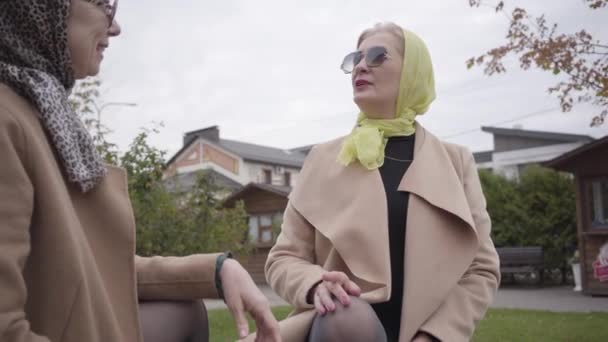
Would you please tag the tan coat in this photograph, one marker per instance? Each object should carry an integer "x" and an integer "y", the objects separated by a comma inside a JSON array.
[
  {"x": 337, "y": 220},
  {"x": 67, "y": 266}
]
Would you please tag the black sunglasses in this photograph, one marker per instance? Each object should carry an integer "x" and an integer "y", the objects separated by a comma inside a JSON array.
[
  {"x": 374, "y": 57},
  {"x": 111, "y": 6}
]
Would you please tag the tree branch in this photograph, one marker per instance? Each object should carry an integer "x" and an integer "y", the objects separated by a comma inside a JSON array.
[{"x": 576, "y": 55}]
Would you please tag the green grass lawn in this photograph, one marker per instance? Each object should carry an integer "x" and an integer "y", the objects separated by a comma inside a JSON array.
[{"x": 499, "y": 325}]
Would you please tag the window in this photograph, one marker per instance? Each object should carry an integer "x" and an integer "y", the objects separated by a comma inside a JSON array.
[
  {"x": 261, "y": 228},
  {"x": 287, "y": 179},
  {"x": 268, "y": 176},
  {"x": 253, "y": 229},
  {"x": 265, "y": 229},
  {"x": 599, "y": 203}
]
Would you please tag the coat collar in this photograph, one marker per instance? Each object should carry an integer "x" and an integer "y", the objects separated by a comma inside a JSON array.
[
  {"x": 348, "y": 206},
  {"x": 433, "y": 176}
]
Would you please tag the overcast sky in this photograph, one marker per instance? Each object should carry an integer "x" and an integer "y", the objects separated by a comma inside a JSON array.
[{"x": 267, "y": 72}]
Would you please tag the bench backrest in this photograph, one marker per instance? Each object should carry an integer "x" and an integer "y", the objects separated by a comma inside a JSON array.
[{"x": 520, "y": 255}]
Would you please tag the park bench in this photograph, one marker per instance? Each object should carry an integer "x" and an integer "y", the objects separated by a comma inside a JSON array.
[{"x": 522, "y": 260}]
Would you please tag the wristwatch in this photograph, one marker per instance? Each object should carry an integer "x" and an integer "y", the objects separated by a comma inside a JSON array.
[{"x": 219, "y": 262}]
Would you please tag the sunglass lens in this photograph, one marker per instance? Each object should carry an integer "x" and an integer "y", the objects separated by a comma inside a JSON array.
[
  {"x": 349, "y": 62},
  {"x": 375, "y": 56}
]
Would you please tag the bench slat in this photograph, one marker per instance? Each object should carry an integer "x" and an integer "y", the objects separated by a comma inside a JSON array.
[{"x": 520, "y": 259}]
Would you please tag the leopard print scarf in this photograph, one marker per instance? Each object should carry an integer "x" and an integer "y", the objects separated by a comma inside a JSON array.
[{"x": 35, "y": 62}]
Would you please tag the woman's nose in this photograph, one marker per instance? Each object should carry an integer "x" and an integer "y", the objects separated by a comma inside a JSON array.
[
  {"x": 115, "y": 29},
  {"x": 361, "y": 67}
]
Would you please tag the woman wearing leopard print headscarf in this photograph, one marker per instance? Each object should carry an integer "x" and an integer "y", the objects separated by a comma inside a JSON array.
[{"x": 67, "y": 238}]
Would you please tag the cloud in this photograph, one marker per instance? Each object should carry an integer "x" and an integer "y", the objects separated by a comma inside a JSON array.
[{"x": 268, "y": 72}]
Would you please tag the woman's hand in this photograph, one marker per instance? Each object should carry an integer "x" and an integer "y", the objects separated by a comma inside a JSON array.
[
  {"x": 243, "y": 296},
  {"x": 334, "y": 285}
]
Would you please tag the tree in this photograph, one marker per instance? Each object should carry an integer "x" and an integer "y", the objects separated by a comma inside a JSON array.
[
  {"x": 180, "y": 223},
  {"x": 84, "y": 101},
  {"x": 144, "y": 164},
  {"x": 219, "y": 228},
  {"x": 550, "y": 202},
  {"x": 582, "y": 59},
  {"x": 539, "y": 209},
  {"x": 505, "y": 209},
  {"x": 167, "y": 223}
]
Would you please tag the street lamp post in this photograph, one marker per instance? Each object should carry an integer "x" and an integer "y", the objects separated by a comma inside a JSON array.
[
  {"x": 100, "y": 109},
  {"x": 109, "y": 104}
]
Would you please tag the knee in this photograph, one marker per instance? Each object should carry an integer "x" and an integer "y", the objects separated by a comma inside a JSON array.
[
  {"x": 354, "y": 322},
  {"x": 174, "y": 321},
  {"x": 356, "y": 305},
  {"x": 356, "y": 309},
  {"x": 197, "y": 311},
  {"x": 200, "y": 323}
]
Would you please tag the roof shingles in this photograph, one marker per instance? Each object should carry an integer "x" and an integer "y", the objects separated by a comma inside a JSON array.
[{"x": 264, "y": 154}]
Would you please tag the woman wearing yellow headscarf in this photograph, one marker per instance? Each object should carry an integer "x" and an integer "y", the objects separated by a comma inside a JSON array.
[{"x": 386, "y": 236}]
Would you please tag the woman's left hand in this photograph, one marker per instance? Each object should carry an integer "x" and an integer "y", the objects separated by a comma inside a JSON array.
[
  {"x": 334, "y": 285},
  {"x": 243, "y": 296}
]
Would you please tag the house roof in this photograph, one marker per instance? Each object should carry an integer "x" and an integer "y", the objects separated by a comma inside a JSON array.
[
  {"x": 253, "y": 152},
  {"x": 561, "y": 162},
  {"x": 211, "y": 133},
  {"x": 483, "y": 156},
  {"x": 516, "y": 132},
  {"x": 303, "y": 149},
  {"x": 185, "y": 181},
  {"x": 282, "y": 191},
  {"x": 264, "y": 154}
]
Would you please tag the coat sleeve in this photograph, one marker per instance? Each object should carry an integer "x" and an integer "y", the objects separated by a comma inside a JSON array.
[
  {"x": 176, "y": 278},
  {"x": 290, "y": 268},
  {"x": 16, "y": 208},
  {"x": 467, "y": 303}
]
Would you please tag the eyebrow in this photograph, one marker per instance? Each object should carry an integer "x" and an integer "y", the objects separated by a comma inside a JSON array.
[{"x": 373, "y": 46}]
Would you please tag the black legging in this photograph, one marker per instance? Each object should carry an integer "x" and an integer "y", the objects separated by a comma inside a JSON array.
[
  {"x": 356, "y": 323},
  {"x": 173, "y": 321}
]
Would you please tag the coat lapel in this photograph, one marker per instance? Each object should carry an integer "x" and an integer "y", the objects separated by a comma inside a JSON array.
[
  {"x": 347, "y": 205},
  {"x": 441, "y": 238},
  {"x": 433, "y": 176}
]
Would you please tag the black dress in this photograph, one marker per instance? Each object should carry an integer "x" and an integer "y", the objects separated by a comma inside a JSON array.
[{"x": 392, "y": 172}]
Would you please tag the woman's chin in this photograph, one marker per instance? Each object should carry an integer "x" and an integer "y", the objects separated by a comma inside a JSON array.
[
  {"x": 90, "y": 71},
  {"x": 94, "y": 69},
  {"x": 363, "y": 99}
]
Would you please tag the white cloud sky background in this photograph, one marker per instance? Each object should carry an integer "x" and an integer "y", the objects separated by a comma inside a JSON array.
[{"x": 267, "y": 72}]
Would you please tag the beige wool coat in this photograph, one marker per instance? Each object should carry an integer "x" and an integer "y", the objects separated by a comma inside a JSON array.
[
  {"x": 336, "y": 219},
  {"x": 67, "y": 267}
]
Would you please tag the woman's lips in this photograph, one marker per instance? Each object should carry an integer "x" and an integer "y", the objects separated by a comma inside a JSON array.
[
  {"x": 101, "y": 48},
  {"x": 360, "y": 84}
]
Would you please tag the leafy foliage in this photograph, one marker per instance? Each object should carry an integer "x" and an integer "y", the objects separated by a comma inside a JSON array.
[
  {"x": 537, "y": 210},
  {"x": 168, "y": 223},
  {"x": 581, "y": 59}
]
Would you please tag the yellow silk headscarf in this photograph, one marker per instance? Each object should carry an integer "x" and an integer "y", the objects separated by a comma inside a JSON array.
[{"x": 416, "y": 92}]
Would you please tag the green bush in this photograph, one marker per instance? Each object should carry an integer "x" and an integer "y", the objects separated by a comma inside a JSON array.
[
  {"x": 179, "y": 223},
  {"x": 539, "y": 209},
  {"x": 167, "y": 223}
]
